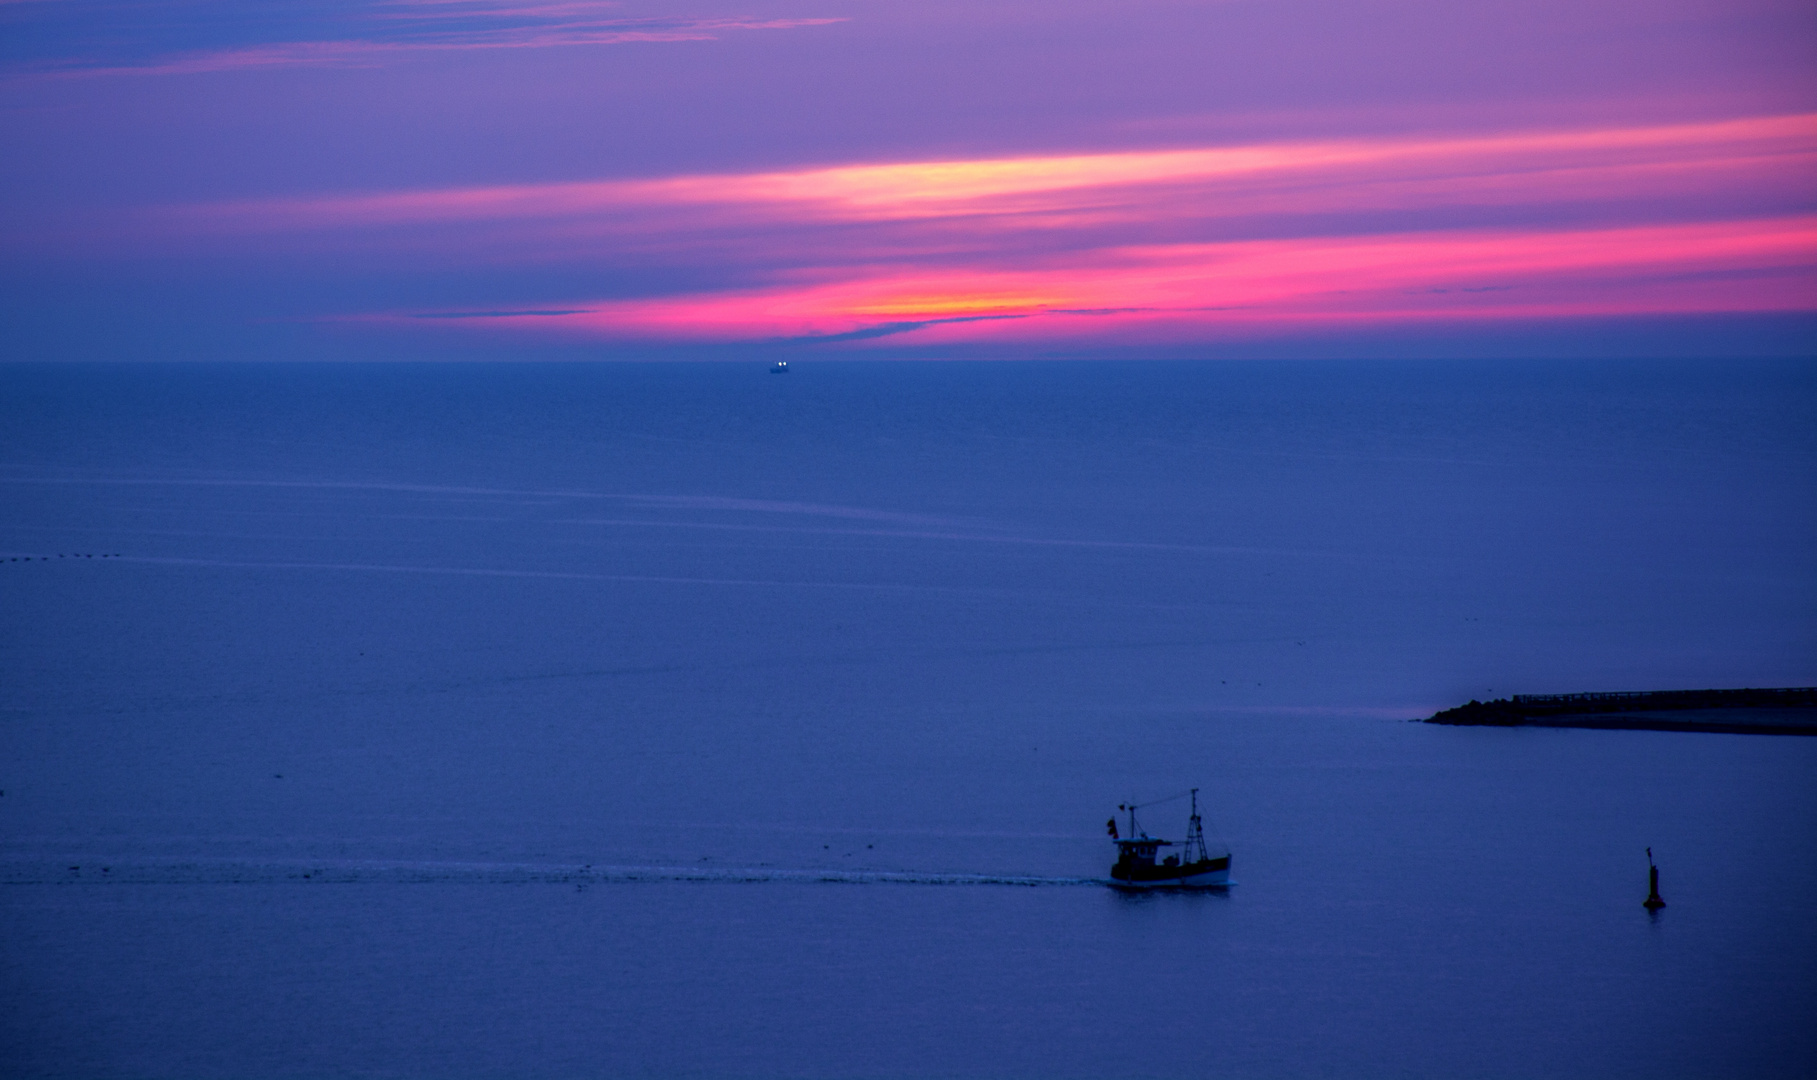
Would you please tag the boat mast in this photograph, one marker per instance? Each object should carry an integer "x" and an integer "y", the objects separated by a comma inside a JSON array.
[
  {"x": 1195, "y": 833},
  {"x": 1131, "y": 807}
]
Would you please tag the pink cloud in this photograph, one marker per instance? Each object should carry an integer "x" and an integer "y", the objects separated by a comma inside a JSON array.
[{"x": 1183, "y": 291}]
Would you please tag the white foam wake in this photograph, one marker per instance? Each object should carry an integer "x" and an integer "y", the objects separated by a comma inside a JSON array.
[{"x": 92, "y": 871}]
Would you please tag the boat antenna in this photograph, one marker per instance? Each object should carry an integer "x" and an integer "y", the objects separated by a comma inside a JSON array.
[{"x": 1158, "y": 802}]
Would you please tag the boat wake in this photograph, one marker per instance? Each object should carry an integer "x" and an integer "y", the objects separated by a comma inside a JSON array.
[{"x": 351, "y": 872}]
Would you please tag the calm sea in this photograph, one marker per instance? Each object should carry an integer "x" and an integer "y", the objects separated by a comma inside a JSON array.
[{"x": 683, "y": 720}]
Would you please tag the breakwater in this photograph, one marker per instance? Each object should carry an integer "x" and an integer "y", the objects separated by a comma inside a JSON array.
[{"x": 1750, "y": 711}]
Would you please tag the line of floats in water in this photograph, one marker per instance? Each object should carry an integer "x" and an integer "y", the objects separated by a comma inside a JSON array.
[{"x": 47, "y": 558}]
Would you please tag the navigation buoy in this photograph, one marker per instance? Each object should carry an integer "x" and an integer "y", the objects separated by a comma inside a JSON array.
[{"x": 1653, "y": 901}]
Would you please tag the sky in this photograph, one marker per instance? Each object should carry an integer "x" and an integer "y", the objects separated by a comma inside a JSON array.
[{"x": 559, "y": 179}]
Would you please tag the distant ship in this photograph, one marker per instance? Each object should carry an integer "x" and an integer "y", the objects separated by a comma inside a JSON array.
[
  {"x": 780, "y": 367},
  {"x": 1193, "y": 868}
]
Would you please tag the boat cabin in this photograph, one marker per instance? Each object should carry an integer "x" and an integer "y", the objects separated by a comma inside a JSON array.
[{"x": 1142, "y": 851}]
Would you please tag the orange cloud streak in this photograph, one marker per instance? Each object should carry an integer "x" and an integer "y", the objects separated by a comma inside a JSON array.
[{"x": 1071, "y": 182}]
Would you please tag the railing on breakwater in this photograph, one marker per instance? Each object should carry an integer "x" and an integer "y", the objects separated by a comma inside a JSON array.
[{"x": 1642, "y": 700}]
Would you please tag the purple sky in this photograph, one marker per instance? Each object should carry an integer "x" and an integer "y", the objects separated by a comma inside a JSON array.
[{"x": 424, "y": 178}]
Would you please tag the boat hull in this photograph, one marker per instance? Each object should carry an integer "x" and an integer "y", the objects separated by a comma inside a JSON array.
[{"x": 1211, "y": 874}]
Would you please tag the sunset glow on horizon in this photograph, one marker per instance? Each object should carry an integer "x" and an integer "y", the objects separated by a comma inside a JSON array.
[
  {"x": 668, "y": 226},
  {"x": 1166, "y": 293}
]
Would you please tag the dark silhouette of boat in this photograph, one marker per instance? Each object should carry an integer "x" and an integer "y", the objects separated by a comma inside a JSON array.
[
  {"x": 1194, "y": 867},
  {"x": 780, "y": 367}
]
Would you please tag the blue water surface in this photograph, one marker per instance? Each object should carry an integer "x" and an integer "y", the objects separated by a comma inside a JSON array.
[{"x": 685, "y": 720}]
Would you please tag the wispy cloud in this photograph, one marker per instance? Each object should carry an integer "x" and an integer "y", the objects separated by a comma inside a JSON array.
[{"x": 370, "y": 34}]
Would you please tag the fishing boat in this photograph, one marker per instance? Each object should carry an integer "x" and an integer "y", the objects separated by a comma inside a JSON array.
[{"x": 1193, "y": 867}]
